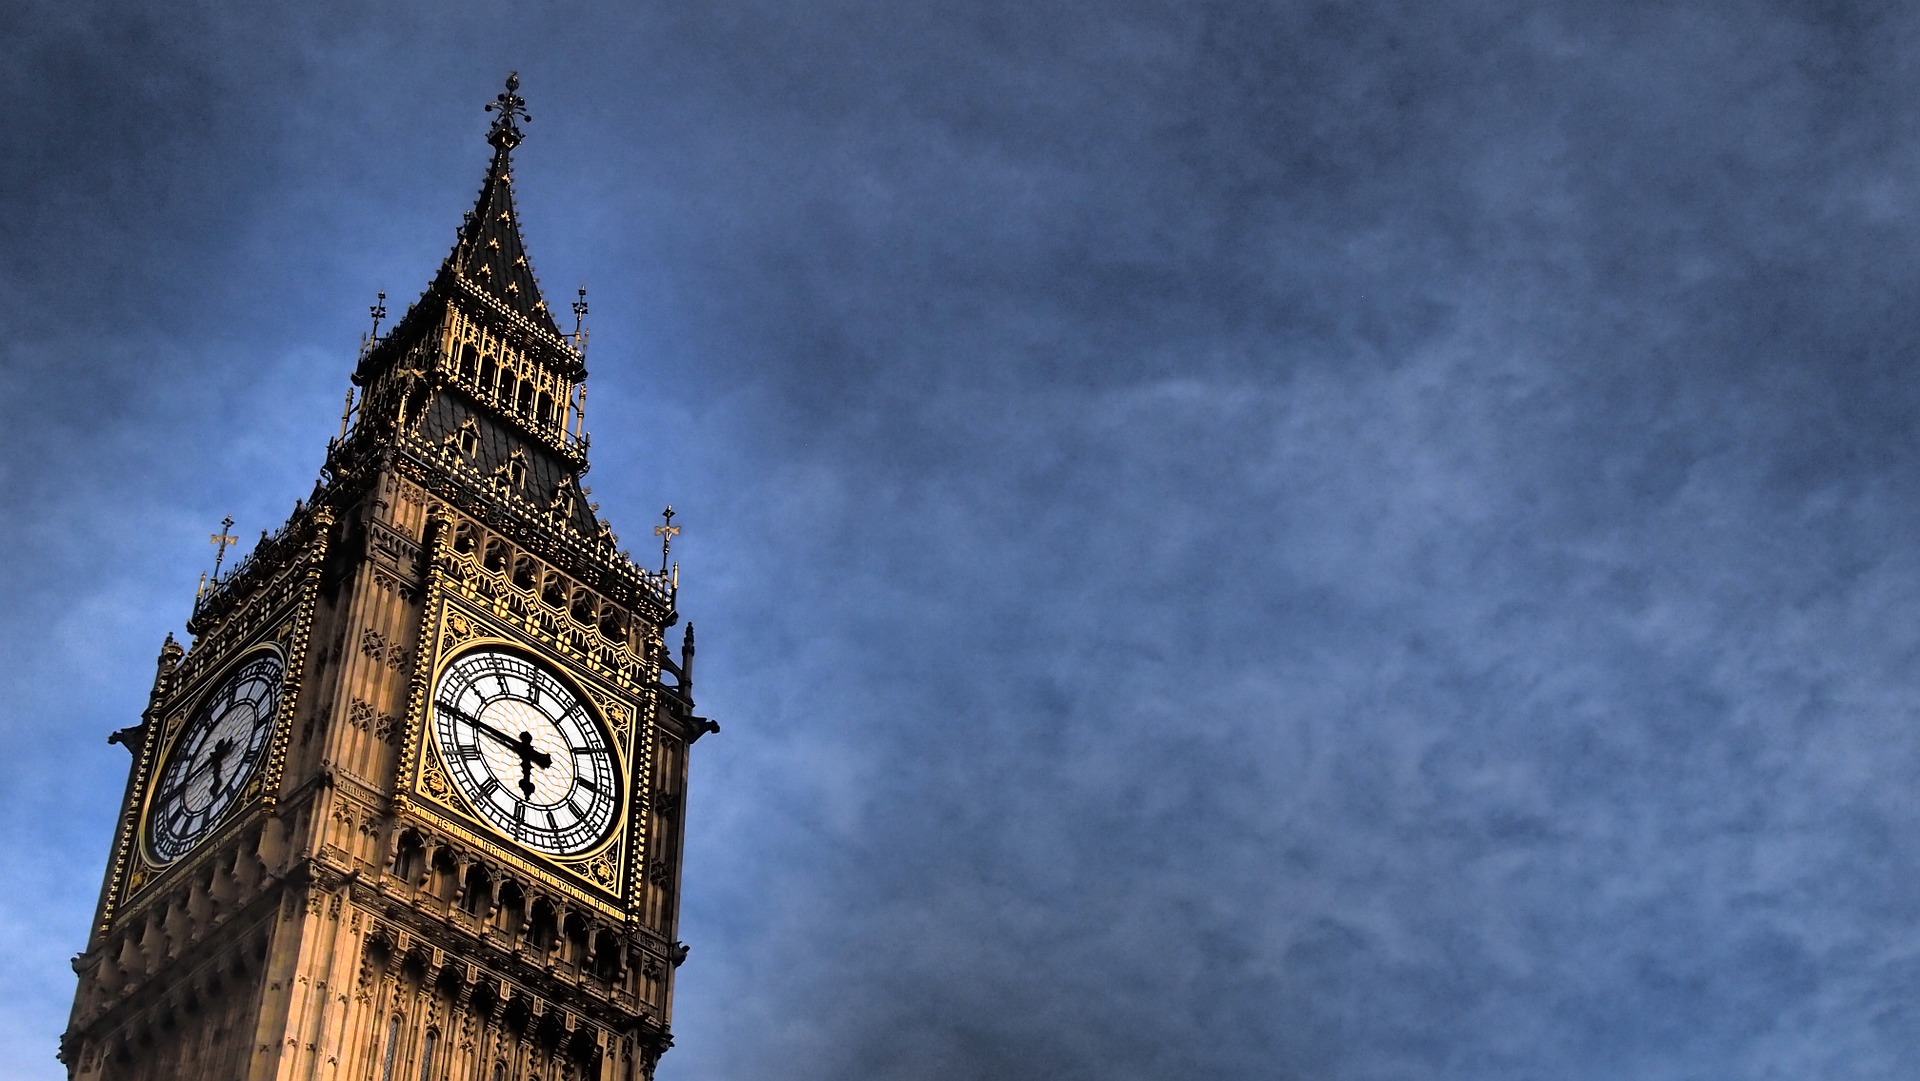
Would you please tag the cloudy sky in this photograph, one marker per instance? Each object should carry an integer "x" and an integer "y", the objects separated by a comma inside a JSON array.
[{"x": 1338, "y": 542}]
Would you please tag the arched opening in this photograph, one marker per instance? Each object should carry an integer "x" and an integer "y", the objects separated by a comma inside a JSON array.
[
  {"x": 477, "y": 899},
  {"x": 392, "y": 1053},
  {"x": 498, "y": 552},
  {"x": 525, "y": 572},
  {"x": 613, "y": 624},
  {"x": 512, "y": 910},
  {"x": 489, "y": 373},
  {"x": 584, "y": 605},
  {"x": 546, "y": 408},
  {"x": 606, "y": 956},
  {"x": 445, "y": 873},
  {"x": 465, "y": 537},
  {"x": 544, "y": 927},
  {"x": 554, "y": 592},
  {"x": 576, "y": 948},
  {"x": 409, "y": 858},
  {"x": 523, "y": 398},
  {"x": 585, "y": 1052},
  {"x": 469, "y": 362}
]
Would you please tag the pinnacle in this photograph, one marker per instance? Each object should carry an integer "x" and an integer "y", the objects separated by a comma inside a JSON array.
[{"x": 489, "y": 254}]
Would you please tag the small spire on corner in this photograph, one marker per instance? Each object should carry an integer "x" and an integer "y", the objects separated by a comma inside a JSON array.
[
  {"x": 580, "y": 324},
  {"x": 378, "y": 309}
]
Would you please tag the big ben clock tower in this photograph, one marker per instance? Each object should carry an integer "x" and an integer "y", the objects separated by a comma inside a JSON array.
[{"x": 408, "y": 806}]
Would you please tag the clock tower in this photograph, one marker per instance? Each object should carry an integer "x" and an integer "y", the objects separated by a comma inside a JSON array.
[{"x": 408, "y": 805}]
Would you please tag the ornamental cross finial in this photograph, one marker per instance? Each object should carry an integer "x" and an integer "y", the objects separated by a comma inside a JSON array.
[
  {"x": 666, "y": 533},
  {"x": 222, "y": 539},
  {"x": 379, "y": 312},
  {"x": 511, "y": 106}
]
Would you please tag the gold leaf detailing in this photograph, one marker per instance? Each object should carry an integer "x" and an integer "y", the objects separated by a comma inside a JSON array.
[{"x": 435, "y": 781}]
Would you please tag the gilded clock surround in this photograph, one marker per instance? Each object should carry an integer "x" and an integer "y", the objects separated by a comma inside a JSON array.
[
  {"x": 597, "y": 876},
  {"x": 348, "y": 915},
  {"x": 173, "y": 736}
]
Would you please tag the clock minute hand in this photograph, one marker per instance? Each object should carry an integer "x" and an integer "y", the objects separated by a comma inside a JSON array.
[{"x": 522, "y": 746}]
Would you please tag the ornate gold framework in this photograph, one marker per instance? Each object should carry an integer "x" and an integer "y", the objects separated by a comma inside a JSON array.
[
  {"x": 137, "y": 868},
  {"x": 468, "y": 606},
  {"x": 187, "y": 705}
]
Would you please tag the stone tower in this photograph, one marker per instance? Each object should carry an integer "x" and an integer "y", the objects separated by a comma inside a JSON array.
[{"x": 408, "y": 806}]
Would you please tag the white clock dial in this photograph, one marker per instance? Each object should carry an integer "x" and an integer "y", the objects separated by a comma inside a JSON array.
[
  {"x": 526, "y": 752},
  {"x": 215, "y": 755}
]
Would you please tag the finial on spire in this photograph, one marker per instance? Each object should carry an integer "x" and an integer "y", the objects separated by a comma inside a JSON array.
[
  {"x": 666, "y": 533},
  {"x": 505, "y": 133},
  {"x": 580, "y": 324},
  {"x": 379, "y": 311},
  {"x": 221, "y": 540}
]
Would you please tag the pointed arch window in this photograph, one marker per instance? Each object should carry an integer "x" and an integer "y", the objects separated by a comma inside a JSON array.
[
  {"x": 426, "y": 1055},
  {"x": 393, "y": 1047}
]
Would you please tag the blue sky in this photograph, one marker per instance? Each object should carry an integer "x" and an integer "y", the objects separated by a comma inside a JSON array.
[{"x": 1230, "y": 540}]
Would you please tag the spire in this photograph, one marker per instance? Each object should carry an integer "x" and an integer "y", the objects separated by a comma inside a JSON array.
[{"x": 489, "y": 254}]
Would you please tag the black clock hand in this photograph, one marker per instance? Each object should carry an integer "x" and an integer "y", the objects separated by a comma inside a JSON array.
[
  {"x": 525, "y": 747},
  {"x": 220, "y": 750},
  {"x": 219, "y": 753},
  {"x": 522, "y": 746}
]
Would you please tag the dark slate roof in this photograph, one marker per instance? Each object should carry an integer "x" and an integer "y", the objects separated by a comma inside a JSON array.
[
  {"x": 547, "y": 475},
  {"x": 489, "y": 253}
]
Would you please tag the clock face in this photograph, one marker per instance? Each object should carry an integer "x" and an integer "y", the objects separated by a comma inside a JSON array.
[
  {"x": 526, "y": 752},
  {"x": 216, "y": 754}
]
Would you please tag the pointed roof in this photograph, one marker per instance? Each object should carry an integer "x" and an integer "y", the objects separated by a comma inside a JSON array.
[{"x": 489, "y": 254}]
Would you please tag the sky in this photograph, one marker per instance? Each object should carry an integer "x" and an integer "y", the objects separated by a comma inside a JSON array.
[{"x": 1338, "y": 542}]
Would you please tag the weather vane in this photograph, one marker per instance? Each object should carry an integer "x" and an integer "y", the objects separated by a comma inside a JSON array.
[
  {"x": 379, "y": 312},
  {"x": 510, "y": 105},
  {"x": 222, "y": 539},
  {"x": 579, "y": 313},
  {"x": 666, "y": 533}
]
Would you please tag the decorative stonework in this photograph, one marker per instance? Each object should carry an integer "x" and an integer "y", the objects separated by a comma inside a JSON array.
[
  {"x": 348, "y": 885},
  {"x": 375, "y": 645}
]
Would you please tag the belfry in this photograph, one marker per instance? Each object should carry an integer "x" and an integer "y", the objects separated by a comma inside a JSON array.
[{"x": 409, "y": 803}]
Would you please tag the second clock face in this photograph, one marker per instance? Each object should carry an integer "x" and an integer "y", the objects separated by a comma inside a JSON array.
[
  {"x": 526, "y": 752},
  {"x": 217, "y": 752}
]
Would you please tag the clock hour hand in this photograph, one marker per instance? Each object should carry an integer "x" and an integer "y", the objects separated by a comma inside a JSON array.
[{"x": 220, "y": 750}]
